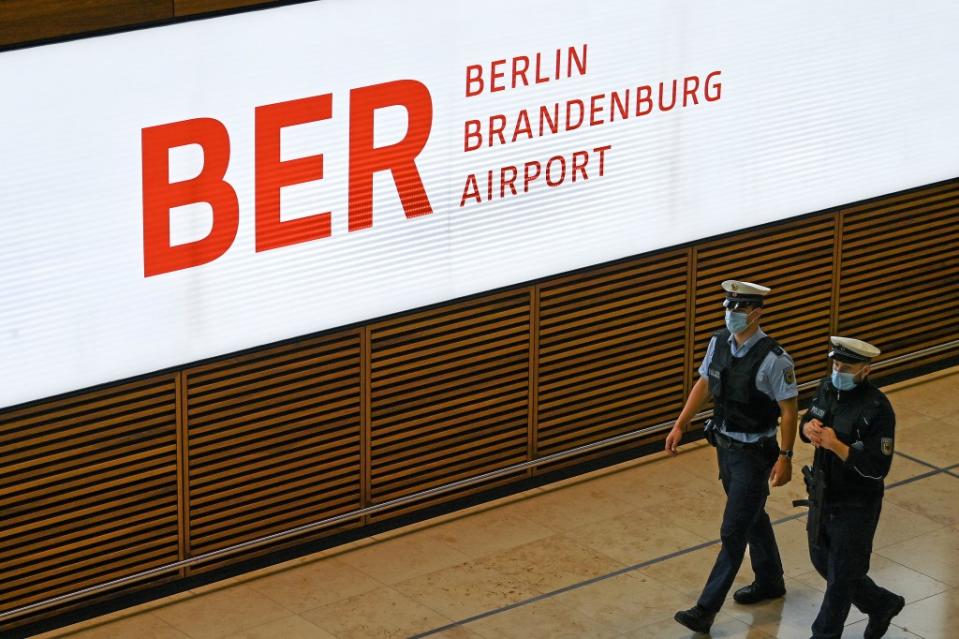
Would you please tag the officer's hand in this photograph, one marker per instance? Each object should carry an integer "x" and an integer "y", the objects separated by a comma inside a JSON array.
[
  {"x": 813, "y": 431},
  {"x": 827, "y": 438},
  {"x": 673, "y": 438},
  {"x": 782, "y": 472}
]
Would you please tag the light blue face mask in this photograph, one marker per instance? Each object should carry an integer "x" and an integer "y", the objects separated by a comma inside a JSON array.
[
  {"x": 843, "y": 381},
  {"x": 736, "y": 322}
]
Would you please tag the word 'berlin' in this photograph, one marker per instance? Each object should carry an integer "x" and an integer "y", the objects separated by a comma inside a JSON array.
[{"x": 524, "y": 71}]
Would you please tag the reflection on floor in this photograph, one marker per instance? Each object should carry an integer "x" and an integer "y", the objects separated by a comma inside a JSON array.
[{"x": 611, "y": 554}]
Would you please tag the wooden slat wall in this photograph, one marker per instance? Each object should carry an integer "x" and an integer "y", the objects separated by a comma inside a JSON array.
[
  {"x": 449, "y": 394},
  {"x": 88, "y": 489},
  {"x": 899, "y": 284},
  {"x": 274, "y": 440},
  {"x": 611, "y": 350}
]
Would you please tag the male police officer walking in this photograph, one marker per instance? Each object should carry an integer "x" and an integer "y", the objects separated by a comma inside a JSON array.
[
  {"x": 852, "y": 426},
  {"x": 752, "y": 382}
]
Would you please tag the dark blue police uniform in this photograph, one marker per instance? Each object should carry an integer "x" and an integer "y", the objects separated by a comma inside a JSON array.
[
  {"x": 746, "y": 383},
  {"x": 840, "y": 550}
]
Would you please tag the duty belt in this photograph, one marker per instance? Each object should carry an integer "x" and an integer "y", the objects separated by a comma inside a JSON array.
[{"x": 724, "y": 441}]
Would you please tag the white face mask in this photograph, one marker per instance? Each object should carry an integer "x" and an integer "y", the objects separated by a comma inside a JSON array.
[
  {"x": 843, "y": 381},
  {"x": 737, "y": 321}
]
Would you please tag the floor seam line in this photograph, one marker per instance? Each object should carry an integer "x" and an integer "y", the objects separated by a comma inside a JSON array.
[
  {"x": 580, "y": 584},
  {"x": 626, "y": 569},
  {"x": 909, "y": 480},
  {"x": 918, "y": 461}
]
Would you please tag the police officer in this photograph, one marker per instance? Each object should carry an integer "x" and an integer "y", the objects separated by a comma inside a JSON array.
[
  {"x": 852, "y": 426},
  {"x": 752, "y": 382}
]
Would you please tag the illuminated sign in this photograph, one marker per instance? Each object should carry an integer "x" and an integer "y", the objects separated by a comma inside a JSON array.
[{"x": 177, "y": 193}]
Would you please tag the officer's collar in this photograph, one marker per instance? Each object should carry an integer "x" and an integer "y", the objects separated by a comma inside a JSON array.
[{"x": 752, "y": 339}]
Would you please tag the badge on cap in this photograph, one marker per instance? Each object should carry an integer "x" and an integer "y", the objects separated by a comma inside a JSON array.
[{"x": 886, "y": 443}]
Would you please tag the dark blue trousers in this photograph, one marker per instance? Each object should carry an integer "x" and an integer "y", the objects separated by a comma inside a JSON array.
[
  {"x": 745, "y": 477},
  {"x": 843, "y": 560}
]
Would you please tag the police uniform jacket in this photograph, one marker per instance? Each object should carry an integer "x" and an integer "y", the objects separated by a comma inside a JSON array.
[{"x": 863, "y": 420}]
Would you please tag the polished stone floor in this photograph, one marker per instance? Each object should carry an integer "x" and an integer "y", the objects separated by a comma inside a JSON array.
[{"x": 608, "y": 555}]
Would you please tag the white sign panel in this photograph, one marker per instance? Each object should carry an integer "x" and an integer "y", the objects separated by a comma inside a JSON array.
[{"x": 173, "y": 194}]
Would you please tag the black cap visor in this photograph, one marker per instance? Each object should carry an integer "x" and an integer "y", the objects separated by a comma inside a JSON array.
[
  {"x": 734, "y": 301},
  {"x": 841, "y": 354}
]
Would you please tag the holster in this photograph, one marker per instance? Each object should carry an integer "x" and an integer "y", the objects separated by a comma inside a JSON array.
[
  {"x": 816, "y": 488},
  {"x": 709, "y": 431}
]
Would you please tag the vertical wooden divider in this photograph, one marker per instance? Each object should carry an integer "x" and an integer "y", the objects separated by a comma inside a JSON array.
[
  {"x": 183, "y": 468},
  {"x": 366, "y": 472},
  {"x": 533, "y": 373},
  {"x": 836, "y": 272},
  {"x": 690, "y": 319}
]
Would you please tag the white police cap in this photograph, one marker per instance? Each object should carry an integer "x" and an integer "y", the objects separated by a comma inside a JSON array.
[
  {"x": 743, "y": 293},
  {"x": 852, "y": 351}
]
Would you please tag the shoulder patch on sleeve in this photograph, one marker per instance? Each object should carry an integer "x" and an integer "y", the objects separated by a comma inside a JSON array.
[
  {"x": 789, "y": 375},
  {"x": 886, "y": 443}
]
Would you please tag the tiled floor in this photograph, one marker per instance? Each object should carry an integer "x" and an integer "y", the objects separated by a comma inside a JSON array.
[{"x": 609, "y": 555}]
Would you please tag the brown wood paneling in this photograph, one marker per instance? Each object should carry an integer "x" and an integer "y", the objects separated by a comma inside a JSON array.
[
  {"x": 794, "y": 259},
  {"x": 899, "y": 285},
  {"x": 88, "y": 489},
  {"x": 449, "y": 394},
  {"x": 612, "y": 350},
  {"x": 28, "y": 20},
  {"x": 274, "y": 440},
  {"x": 191, "y": 7}
]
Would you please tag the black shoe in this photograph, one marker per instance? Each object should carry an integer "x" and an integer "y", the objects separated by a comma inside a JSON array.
[
  {"x": 879, "y": 623},
  {"x": 697, "y": 619},
  {"x": 756, "y": 592}
]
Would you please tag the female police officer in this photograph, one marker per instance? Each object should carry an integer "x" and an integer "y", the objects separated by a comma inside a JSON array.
[
  {"x": 852, "y": 426},
  {"x": 751, "y": 380}
]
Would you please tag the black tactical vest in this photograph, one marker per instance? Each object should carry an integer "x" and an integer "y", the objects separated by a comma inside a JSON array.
[
  {"x": 732, "y": 383},
  {"x": 849, "y": 413}
]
